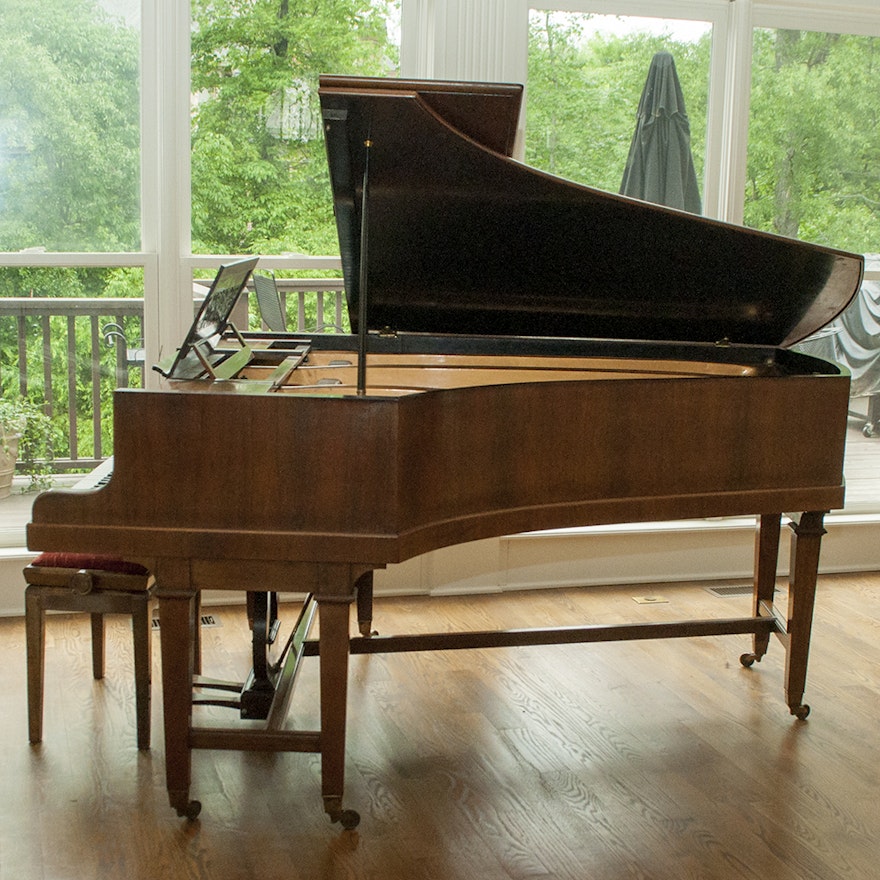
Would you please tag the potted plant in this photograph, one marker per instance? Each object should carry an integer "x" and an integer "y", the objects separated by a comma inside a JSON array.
[{"x": 24, "y": 434}]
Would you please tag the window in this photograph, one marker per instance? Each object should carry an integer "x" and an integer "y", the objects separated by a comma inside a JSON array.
[
  {"x": 95, "y": 204},
  {"x": 813, "y": 147},
  {"x": 585, "y": 78},
  {"x": 69, "y": 127},
  {"x": 813, "y": 172},
  {"x": 259, "y": 178},
  {"x": 71, "y": 308}
]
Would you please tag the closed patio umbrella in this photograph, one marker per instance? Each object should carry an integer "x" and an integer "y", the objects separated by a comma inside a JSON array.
[{"x": 660, "y": 167}]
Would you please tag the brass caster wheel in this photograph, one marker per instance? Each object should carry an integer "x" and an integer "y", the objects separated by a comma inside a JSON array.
[
  {"x": 191, "y": 811},
  {"x": 801, "y": 712},
  {"x": 748, "y": 659},
  {"x": 349, "y": 819}
]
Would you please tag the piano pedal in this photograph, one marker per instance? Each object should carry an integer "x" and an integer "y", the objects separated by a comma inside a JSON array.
[
  {"x": 257, "y": 696},
  {"x": 201, "y": 683}
]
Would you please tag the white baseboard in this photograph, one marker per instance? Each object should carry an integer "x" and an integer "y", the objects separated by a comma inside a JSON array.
[{"x": 703, "y": 550}]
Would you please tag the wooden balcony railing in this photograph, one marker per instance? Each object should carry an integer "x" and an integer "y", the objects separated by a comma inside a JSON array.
[{"x": 70, "y": 354}]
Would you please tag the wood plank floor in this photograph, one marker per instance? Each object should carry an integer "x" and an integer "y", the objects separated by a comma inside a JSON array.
[{"x": 647, "y": 760}]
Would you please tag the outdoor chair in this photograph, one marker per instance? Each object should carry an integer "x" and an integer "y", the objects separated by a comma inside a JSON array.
[{"x": 269, "y": 303}]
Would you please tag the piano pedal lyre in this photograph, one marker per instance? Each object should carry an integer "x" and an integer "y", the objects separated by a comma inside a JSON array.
[{"x": 268, "y": 684}]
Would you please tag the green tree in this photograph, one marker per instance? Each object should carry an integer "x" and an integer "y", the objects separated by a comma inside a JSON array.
[
  {"x": 69, "y": 128},
  {"x": 259, "y": 172},
  {"x": 583, "y": 95},
  {"x": 814, "y": 155}
]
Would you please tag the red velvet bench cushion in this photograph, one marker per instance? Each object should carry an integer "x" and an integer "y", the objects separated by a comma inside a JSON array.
[{"x": 92, "y": 561}]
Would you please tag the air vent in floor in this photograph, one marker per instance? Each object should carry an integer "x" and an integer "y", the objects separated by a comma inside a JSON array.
[
  {"x": 732, "y": 590},
  {"x": 207, "y": 620}
]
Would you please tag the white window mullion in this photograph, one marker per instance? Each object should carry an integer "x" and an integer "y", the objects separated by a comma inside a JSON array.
[
  {"x": 166, "y": 174},
  {"x": 468, "y": 40},
  {"x": 734, "y": 74}
]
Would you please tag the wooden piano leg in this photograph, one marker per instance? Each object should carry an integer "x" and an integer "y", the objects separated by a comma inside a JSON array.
[
  {"x": 766, "y": 555},
  {"x": 805, "y": 544},
  {"x": 364, "y": 589},
  {"x": 177, "y": 621},
  {"x": 333, "y": 651}
]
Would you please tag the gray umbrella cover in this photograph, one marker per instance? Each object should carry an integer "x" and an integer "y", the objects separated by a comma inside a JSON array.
[{"x": 660, "y": 167}]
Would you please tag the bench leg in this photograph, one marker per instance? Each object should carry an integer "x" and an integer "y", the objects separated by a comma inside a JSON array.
[
  {"x": 140, "y": 627},
  {"x": 35, "y": 637},
  {"x": 98, "y": 652}
]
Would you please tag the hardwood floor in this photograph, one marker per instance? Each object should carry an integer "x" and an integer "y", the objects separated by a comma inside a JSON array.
[{"x": 656, "y": 760}]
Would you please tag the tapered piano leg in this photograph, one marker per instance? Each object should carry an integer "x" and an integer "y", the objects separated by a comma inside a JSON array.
[
  {"x": 333, "y": 649},
  {"x": 364, "y": 589},
  {"x": 803, "y": 572},
  {"x": 766, "y": 556},
  {"x": 177, "y": 621}
]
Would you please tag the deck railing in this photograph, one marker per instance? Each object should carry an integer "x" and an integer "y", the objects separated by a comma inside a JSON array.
[{"x": 70, "y": 354}]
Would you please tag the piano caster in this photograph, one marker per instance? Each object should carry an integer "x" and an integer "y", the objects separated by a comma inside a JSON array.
[
  {"x": 348, "y": 819},
  {"x": 800, "y": 712},
  {"x": 190, "y": 810},
  {"x": 748, "y": 659}
]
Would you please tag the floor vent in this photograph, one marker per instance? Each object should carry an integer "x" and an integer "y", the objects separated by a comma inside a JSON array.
[
  {"x": 207, "y": 620},
  {"x": 734, "y": 590}
]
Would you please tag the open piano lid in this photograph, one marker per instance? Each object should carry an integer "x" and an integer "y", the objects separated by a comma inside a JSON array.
[{"x": 463, "y": 239}]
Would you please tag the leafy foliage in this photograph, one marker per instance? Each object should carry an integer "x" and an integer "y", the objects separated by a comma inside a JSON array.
[
  {"x": 69, "y": 128},
  {"x": 814, "y": 156},
  {"x": 23, "y": 418},
  {"x": 260, "y": 181},
  {"x": 813, "y": 152},
  {"x": 584, "y": 93}
]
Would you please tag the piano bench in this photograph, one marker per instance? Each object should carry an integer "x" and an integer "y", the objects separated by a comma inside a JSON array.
[{"x": 96, "y": 585}]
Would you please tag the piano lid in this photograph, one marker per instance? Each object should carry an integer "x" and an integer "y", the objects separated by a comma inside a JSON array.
[{"x": 464, "y": 239}]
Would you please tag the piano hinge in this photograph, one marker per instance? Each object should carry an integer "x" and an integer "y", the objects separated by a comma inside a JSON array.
[{"x": 724, "y": 342}]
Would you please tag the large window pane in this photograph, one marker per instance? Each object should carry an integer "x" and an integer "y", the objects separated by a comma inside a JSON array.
[
  {"x": 259, "y": 169},
  {"x": 69, "y": 126},
  {"x": 813, "y": 148},
  {"x": 585, "y": 78}
]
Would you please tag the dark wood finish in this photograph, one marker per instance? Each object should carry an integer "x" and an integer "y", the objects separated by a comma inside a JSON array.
[
  {"x": 96, "y": 593},
  {"x": 408, "y": 478},
  {"x": 313, "y": 489},
  {"x": 463, "y": 239},
  {"x": 646, "y": 450}
]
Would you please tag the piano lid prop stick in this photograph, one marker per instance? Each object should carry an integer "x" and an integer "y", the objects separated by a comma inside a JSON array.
[{"x": 362, "y": 280}]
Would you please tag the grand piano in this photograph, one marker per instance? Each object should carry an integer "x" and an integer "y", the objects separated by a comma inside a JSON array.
[{"x": 527, "y": 353}]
